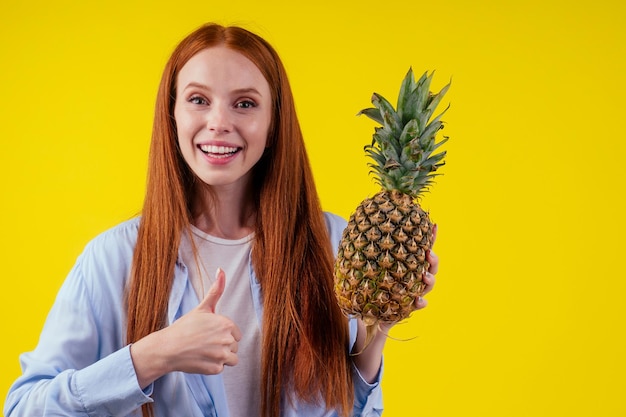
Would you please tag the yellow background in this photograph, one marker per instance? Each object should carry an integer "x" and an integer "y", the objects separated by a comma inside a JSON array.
[{"x": 527, "y": 317}]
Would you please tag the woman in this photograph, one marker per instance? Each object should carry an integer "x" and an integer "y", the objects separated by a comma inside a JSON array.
[{"x": 142, "y": 325}]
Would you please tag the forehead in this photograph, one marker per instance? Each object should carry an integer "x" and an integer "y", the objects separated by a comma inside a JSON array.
[{"x": 222, "y": 66}]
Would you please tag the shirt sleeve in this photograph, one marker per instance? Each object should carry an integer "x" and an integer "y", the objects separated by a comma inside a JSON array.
[
  {"x": 80, "y": 366},
  {"x": 368, "y": 397}
]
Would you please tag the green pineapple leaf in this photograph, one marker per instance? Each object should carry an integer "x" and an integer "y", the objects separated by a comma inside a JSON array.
[
  {"x": 422, "y": 94},
  {"x": 403, "y": 147},
  {"x": 409, "y": 133},
  {"x": 406, "y": 106},
  {"x": 388, "y": 113},
  {"x": 373, "y": 114},
  {"x": 410, "y": 106}
]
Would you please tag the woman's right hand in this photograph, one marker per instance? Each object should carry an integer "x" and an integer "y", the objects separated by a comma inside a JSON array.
[{"x": 200, "y": 342}]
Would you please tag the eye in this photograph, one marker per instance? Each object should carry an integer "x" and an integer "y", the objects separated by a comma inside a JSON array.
[
  {"x": 245, "y": 104},
  {"x": 197, "y": 100}
]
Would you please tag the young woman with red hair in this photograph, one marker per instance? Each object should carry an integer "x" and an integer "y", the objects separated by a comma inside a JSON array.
[{"x": 142, "y": 324}]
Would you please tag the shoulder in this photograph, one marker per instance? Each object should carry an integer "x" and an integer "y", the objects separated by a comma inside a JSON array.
[
  {"x": 334, "y": 221},
  {"x": 335, "y": 224},
  {"x": 110, "y": 253},
  {"x": 96, "y": 283},
  {"x": 119, "y": 238}
]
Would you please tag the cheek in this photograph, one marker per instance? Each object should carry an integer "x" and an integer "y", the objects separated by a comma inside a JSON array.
[
  {"x": 184, "y": 130},
  {"x": 261, "y": 134},
  {"x": 183, "y": 134},
  {"x": 265, "y": 129},
  {"x": 178, "y": 122},
  {"x": 182, "y": 119}
]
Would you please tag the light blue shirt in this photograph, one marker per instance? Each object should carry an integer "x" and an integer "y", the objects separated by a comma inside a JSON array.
[{"x": 82, "y": 365}]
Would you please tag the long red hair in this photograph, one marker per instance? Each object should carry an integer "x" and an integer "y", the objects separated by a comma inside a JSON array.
[{"x": 305, "y": 335}]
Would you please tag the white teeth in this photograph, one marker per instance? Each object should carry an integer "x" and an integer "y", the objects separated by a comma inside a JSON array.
[{"x": 220, "y": 150}]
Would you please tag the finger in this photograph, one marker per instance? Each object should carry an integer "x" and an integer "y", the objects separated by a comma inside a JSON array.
[
  {"x": 433, "y": 260},
  {"x": 429, "y": 280},
  {"x": 231, "y": 359},
  {"x": 420, "y": 303},
  {"x": 215, "y": 292},
  {"x": 434, "y": 233},
  {"x": 236, "y": 333}
]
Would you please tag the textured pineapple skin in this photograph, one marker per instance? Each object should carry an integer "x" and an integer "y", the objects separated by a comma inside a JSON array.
[{"x": 382, "y": 258}]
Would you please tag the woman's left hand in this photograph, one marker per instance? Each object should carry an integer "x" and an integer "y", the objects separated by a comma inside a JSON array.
[
  {"x": 428, "y": 279},
  {"x": 369, "y": 359}
]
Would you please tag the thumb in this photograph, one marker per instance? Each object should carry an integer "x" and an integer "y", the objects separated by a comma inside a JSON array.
[{"x": 215, "y": 292}]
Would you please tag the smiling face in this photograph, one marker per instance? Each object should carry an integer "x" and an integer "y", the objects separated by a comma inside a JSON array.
[{"x": 223, "y": 113}]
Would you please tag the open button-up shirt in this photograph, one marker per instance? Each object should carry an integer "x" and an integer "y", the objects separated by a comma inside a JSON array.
[{"x": 82, "y": 365}]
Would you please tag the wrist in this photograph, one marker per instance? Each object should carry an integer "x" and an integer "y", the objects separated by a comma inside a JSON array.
[{"x": 149, "y": 360}]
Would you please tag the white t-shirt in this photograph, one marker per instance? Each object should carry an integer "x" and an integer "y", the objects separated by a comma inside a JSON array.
[{"x": 243, "y": 381}]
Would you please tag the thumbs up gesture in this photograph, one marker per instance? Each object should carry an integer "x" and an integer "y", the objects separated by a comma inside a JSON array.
[
  {"x": 200, "y": 342},
  {"x": 209, "y": 303}
]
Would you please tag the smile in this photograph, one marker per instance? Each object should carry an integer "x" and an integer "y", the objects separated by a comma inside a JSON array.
[{"x": 219, "y": 151}]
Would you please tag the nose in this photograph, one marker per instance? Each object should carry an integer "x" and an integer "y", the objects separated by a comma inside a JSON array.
[{"x": 219, "y": 119}]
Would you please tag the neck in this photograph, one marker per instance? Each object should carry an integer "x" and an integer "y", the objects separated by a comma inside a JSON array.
[{"x": 227, "y": 213}]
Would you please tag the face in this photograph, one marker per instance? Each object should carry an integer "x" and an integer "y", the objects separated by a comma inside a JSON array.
[{"x": 223, "y": 114}]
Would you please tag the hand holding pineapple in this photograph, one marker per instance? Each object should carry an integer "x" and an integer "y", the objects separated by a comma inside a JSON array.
[
  {"x": 368, "y": 350},
  {"x": 383, "y": 265},
  {"x": 428, "y": 279}
]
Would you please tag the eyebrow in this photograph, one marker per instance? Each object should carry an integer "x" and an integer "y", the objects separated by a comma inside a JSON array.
[{"x": 237, "y": 91}]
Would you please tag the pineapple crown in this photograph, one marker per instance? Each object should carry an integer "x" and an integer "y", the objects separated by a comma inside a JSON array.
[{"x": 403, "y": 149}]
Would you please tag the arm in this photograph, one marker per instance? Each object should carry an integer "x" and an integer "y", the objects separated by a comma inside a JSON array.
[
  {"x": 368, "y": 365},
  {"x": 75, "y": 370},
  {"x": 82, "y": 365},
  {"x": 368, "y": 362},
  {"x": 200, "y": 342}
]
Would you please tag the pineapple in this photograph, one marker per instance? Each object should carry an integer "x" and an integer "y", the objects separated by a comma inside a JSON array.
[{"x": 382, "y": 255}]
